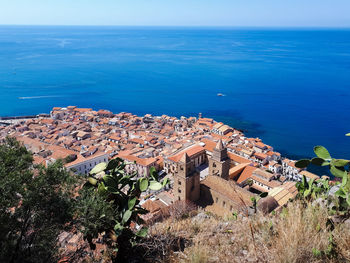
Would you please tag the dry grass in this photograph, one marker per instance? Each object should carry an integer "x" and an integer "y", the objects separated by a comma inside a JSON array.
[
  {"x": 299, "y": 234},
  {"x": 342, "y": 239}
]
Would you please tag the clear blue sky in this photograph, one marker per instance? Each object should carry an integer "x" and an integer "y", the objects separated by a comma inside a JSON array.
[{"x": 309, "y": 13}]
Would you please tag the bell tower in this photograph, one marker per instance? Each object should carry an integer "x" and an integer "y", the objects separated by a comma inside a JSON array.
[
  {"x": 186, "y": 180},
  {"x": 219, "y": 162}
]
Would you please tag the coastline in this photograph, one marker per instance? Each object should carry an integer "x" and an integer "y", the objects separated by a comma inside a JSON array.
[
  {"x": 277, "y": 83},
  {"x": 9, "y": 120}
]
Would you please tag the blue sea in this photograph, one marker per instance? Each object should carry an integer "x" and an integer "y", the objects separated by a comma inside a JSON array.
[{"x": 290, "y": 87}]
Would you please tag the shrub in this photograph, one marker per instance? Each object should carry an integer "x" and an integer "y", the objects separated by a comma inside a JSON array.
[{"x": 110, "y": 204}]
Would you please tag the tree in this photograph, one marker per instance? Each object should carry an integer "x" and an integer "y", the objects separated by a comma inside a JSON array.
[{"x": 35, "y": 205}]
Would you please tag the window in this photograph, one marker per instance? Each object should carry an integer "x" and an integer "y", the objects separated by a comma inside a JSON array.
[
  {"x": 181, "y": 168},
  {"x": 223, "y": 203},
  {"x": 179, "y": 190},
  {"x": 179, "y": 182},
  {"x": 214, "y": 165},
  {"x": 216, "y": 200},
  {"x": 179, "y": 198}
]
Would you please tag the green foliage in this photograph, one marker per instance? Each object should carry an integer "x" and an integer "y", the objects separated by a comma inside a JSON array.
[
  {"x": 110, "y": 204},
  {"x": 235, "y": 215},
  {"x": 317, "y": 253},
  {"x": 256, "y": 199},
  {"x": 322, "y": 152},
  {"x": 312, "y": 189},
  {"x": 35, "y": 205},
  {"x": 250, "y": 182},
  {"x": 339, "y": 168}
]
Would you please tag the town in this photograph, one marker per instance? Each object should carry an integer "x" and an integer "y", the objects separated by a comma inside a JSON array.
[{"x": 207, "y": 162}]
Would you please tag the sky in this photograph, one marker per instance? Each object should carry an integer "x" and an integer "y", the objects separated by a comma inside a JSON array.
[{"x": 250, "y": 13}]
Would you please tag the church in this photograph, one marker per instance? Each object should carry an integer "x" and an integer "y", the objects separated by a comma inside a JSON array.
[{"x": 217, "y": 193}]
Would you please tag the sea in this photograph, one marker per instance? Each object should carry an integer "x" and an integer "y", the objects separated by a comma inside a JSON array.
[{"x": 289, "y": 87}]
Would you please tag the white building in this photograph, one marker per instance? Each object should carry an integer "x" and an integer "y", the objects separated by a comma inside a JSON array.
[{"x": 83, "y": 165}]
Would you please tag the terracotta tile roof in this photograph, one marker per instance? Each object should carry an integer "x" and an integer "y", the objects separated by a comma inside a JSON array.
[
  {"x": 153, "y": 206},
  {"x": 39, "y": 160},
  {"x": 59, "y": 152},
  {"x": 47, "y": 121},
  {"x": 191, "y": 151},
  {"x": 246, "y": 174},
  {"x": 137, "y": 141},
  {"x": 31, "y": 142},
  {"x": 261, "y": 156},
  {"x": 209, "y": 144},
  {"x": 290, "y": 186},
  {"x": 140, "y": 161},
  {"x": 224, "y": 128},
  {"x": 218, "y": 125},
  {"x": 284, "y": 193},
  {"x": 234, "y": 171},
  {"x": 238, "y": 159},
  {"x": 260, "y": 145},
  {"x": 271, "y": 184},
  {"x": 83, "y": 109},
  {"x": 115, "y": 137},
  {"x": 263, "y": 174},
  {"x": 228, "y": 189}
]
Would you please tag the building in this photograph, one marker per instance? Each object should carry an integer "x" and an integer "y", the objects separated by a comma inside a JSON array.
[
  {"x": 219, "y": 162},
  {"x": 216, "y": 192},
  {"x": 140, "y": 165},
  {"x": 222, "y": 196},
  {"x": 290, "y": 171},
  {"x": 186, "y": 180},
  {"x": 83, "y": 165},
  {"x": 196, "y": 153},
  {"x": 275, "y": 167}
]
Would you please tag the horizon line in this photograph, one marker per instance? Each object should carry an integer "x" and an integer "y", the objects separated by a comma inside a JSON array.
[{"x": 183, "y": 26}]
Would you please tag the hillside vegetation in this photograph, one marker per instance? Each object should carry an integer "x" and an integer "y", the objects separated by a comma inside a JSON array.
[
  {"x": 300, "y": 233},
  {"x": 102, "y": 212}
]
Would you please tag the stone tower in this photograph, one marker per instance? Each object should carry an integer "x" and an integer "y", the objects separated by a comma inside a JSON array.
[
  {"x": 219, "y": 162},
  {"x": 186, "y": 180}
]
